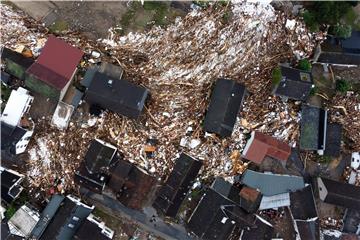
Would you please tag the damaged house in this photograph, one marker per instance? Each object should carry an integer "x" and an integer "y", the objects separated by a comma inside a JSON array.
[
  {"x": 340, "y": 194},
  {"x": 106, "y": 89},
  {"x": 16, "y": 64},
  {"x": 130, "y": 184},
  {"x": 218, "y": 214},
  {"x": 10, "y": 184},
  {"x": 16, "y": 127},
  {"x": 23, "y": 221},
  {"x": 260, "y": 146},
  {"x": 226, "y": 100},
  {"x": 52, "y": 73},
  {"x": 93, "y": 172},
  {"x": 69, "y": 218},
  {"x": 304, "y": 214},
  {"x": 295, "y": 84},
  {"x": 317, "y": 134},
  {"x": 344, "y": 52},
  {"x": 175, "y": 188}
]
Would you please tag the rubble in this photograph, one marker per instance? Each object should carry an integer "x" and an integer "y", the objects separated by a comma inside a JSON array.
[{"x": 178, "y": 65}]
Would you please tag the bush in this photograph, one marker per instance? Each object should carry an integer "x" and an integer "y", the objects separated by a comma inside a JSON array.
[
  {"x": 304, "y": 64},
  {"x": 341, "y": 31},
  {"x": 314, "y": 90},
  {"x": 310, "y": 21},
  {"x": 342, "y": 86},
  {"x": 276, "y": 76}
]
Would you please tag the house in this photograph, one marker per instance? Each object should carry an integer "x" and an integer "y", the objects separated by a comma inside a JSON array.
[
  {"x": 53, "y": 71},
  {"x": 304, "y": 213},
  {"x": 130, "y": 184},
  {"x": 93, "y": 172},
  {"x": 313, "y": 127},
  {"x": 271, "y": 184},
  {"x": 218, "y": 216},
  {"x": 333, "y": 140},
  {"x": 16, "y": 128},
  {"x": 250, "y": 199},
  {"x": 261, "y": 229},
  {"x": 15, "y": 63},
  {"x": 351, "y": 221},
  {"x": 23, "y": 221},
  {"x": 107, "y": 90},
  {"x": 295, "y": 84},
  {"x": 93, "y": 228},
  {"x": 10, "y": 184},
  {"x": 173, "y": 192},
  {"x": 340, "y": 194},
  {"x": 260, "y": 145},
  {"x": 343, "y": 52},
  {"x": 225, "y": 103},
  {"x": 69, "y": 218}
]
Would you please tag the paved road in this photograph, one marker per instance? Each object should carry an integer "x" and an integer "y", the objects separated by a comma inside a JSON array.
[{"x": 159, "y": 227}]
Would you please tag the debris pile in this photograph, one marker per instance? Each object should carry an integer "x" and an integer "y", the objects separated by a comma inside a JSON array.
[
  {"x": 345, "y": 109},
  {"x": 179, "y": 65}
]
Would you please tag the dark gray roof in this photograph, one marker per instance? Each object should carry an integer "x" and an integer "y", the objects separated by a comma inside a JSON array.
[
  {"x": 10, "y": 135},
  {"x": 351, "y": 220},
  {"x": 295, "y": 84},
  {"x": 308, "y": 230},
  {"x": 225, "y": 103},
  {"x": 226, "y": 189},
  {"x": 8, "y": 180},
  {"x": 173, "y": 192},
  {"x": 18, "y": 58},
  {"x": 88, "y": 231},
  {"x": 339, "y": 58},
  {"x": 68, "y": 218},
  {"x": 46, "y": 216},
  {"x": 303, "y": 204},
  {"x": 117, "y": 95},
  {"x": 342, "y": 194},
  {"x": 5, "y": 77},
  {"x": 216, "y": 217},
  {"x": 312, "y": 128},
  {"x": 89, "y": 76},
  {"x": 77, "y": 98},
  {"x": 271, "y": 184},
  {"x": 98, "y": 156},
  {"x": 333, "y": 140},
  {"x": 352, "y": 44}
]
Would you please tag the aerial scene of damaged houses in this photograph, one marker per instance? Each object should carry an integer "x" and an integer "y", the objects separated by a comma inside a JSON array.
[{"x": 274, "y": 197}]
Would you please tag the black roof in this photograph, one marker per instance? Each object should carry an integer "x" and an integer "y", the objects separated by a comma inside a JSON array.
[
  {"x": 333, "y": 140},
  {"x": 66, "y": 221},
  {"x": 226, "y": 189},
  {"x": 89, "y": 231},
  {"x": 8, "y": 180},
  {"x": 303, "y": 204},
  {"x": 117, "y": 95},
  {"x": 225, "y": 103},
  {"x": 98, "y": 156},
  {"x": 352, "y": 44},
  {"x": 94, "y": 182},
  {"x": 260, "y": 230},
  {"x": 216, "y": 216},
  {"x": 308, "y": 230},
  {"x": 342, "y": 194},
  {"x": 351, "y": 221},
  {"x": 10, "y": 135},
  {"x": 18, "y": 58},
  {"x": 6, "y": 234},
  {"x": 312, "y": 128},
  {"x": 296, "y": 84},
  {"x": 173, "y": 192},
  {"x": 339, "y": 58}
]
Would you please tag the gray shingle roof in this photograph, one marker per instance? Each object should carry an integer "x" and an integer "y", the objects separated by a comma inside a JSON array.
[{"x": 271, "y": 184}]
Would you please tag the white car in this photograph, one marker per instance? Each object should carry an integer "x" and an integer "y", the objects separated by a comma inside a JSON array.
[{"x": 355, "y": 160}]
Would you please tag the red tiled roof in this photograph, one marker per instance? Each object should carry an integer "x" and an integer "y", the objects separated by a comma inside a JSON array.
[
  {"x": 263, "y": 145},
  {"x": 56, "y": 63}
]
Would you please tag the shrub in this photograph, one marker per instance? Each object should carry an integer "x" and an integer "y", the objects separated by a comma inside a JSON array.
[
  {"x": 304, "y": 64},
  {"x": 342, "y": 86},
  {"x": 314, "y": 90},
  {"x": 276, "y": 76},
  {"x": 310, "y": 21},
  {"x": 341, "y": 31}
]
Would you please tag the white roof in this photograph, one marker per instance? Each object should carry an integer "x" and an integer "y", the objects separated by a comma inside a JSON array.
[
  {"x": 23, "y": 221},
  {"x": 355, "y": 160},
  {"x": 18, "y": 101},
  {"x": 275, "y": 201},
  {"x": 62, "y": 115}
]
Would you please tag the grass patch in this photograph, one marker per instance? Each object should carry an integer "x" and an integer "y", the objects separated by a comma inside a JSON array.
[
  {"x": 304, "y": 64},
  {"x": 59, "y": 26},
  {"x": 10, "y": 211},
  {"x": 343, "y": 86},
  {"x": 314, "y": 90},
  {"x": 324, "y": 159},
  {"x": 160, "y": 9},
  {"x": 5, "y": 94},
  {"x": 276, "y": 76}
]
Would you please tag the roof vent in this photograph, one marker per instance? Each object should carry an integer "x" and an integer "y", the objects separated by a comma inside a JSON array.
[{"x": 110, "y": 82}]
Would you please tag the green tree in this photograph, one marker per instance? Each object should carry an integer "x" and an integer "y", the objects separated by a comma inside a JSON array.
[
  {"x": 304, "y": 64},
  {"x": 341, "y": 31}
]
